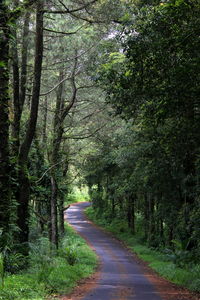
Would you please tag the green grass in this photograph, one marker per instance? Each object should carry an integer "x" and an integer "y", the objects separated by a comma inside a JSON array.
[
  {"x": 188, "y": 277},
  {"x": 49, "y": 273}
]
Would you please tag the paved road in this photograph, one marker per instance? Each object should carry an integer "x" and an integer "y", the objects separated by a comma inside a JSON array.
[{"x": 120, "y": 276}]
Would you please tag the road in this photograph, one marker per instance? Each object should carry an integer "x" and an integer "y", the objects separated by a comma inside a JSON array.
[{"x": 121, "y": 277}]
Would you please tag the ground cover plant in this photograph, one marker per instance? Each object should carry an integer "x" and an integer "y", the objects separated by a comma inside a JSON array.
[
  {"x": 164, "y": 261},
  {"x": 51, "y": 272}
]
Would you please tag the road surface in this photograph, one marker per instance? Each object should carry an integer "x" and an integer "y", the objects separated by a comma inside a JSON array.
[{"x": 120, "y": 276}]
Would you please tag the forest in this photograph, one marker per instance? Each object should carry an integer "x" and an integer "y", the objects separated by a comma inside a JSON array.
[{"x": 99, "y": 100}]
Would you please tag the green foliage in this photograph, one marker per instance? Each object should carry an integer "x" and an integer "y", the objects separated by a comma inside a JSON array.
[
  {"x": 2, "y": 64},
  {"x": 150, "y": 166},
  {"x": 70, "y": 254},
  {"x": 51, "y": 271},
  {"x": 77, "y": 195},
  {"x": 161, "y": 262},
  {"x": 22, "y": 287},
  {"x": 14, "y": 262}
]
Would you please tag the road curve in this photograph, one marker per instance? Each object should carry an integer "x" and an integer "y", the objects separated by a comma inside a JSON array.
[{"x": 120, "y": 276}]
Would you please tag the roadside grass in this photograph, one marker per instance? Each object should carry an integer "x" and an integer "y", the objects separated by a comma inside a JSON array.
[
  {"x": 50, "y": 272},
  {"x": 188, "y": 276}
]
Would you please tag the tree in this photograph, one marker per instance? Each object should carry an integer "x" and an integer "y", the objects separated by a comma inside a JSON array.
[
  {"x": 153, "y": 85},
  {"x": 23, "y": 200},
  {"x": 4, "y": 124},
  {"x": 7, "y": 19}
]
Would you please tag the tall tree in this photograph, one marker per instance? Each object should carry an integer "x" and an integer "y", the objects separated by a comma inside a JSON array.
[
  {"x": 8, "y": 17},
  {"x": 4, "y": 123},
  {"x": 19, "y": 80},
  {"x": 22, "y": 208},
  {"x": 153, "y": 84}
]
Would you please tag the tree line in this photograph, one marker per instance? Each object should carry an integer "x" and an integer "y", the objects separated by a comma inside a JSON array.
[
  {"x": 147, "y": 170},
  {"x": 47, "y": 98}
]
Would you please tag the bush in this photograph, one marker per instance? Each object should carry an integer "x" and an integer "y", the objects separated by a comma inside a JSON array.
[
  {"x": 14, "y": 262},
  {"x": 70, "y": 254},
  {"x": 49, "y": 271}
]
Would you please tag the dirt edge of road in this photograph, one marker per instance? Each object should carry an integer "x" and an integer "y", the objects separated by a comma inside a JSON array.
[{"x": 166, "y": 289}]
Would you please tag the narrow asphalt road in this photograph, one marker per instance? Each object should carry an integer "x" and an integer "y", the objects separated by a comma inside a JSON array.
[{"x": 120, "y": 276}]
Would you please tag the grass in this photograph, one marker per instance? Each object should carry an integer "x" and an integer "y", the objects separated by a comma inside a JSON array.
[
  {"x": 188, "y": 277},
  {"x": 50, "y": 273}
]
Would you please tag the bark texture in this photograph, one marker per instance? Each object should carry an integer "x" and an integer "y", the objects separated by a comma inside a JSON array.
[
  {"x": 60, "y": 114},
  {"x": 23, "y": 200},
  {"x": 4, "y": 125}
]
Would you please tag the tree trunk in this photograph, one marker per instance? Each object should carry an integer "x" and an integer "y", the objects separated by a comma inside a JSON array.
[
  {"x": 23, "y": 199},
  {"x": 24, "y": 55},
  {"x": 4, "y": 126},
  {"x": 22, "y": 210},
  {"x": 49, "y": 222},
  {"x": 16, "y": 99},
  {"x": 146, "y": 216},
  {"x": 57, "y": 139},
  {"x": 54, "y": 201},
  {"x": 19, "y": 91},
  {"x": 59, "y": 117},
  {"x": 113, "y": 206},
  {"x": 131, "y": 213},
  {"x": 54, "y": 218},
  {"x": 61, "y": 216},
  {"x": 58, "y": 132},
  {"x": 25, "y": 147},
  {"x": 61, "y": 203},
  {"x": 151, "y": 231},
  {"x": 44, "y": 126}
]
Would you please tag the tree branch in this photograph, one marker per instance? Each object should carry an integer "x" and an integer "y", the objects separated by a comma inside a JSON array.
[
  {"x": 49, "y": 169},
  {"x": 62, "y": 32},
  {"x": 73, "y": 58},
  {"x": 84, "y": 137},
  {"x": 69, "y": 11},
  {"x": 74, "y": 92},
  {"x": 86, "y": 86},
  {"x": 57, "y": 85},
  {"x": 66, "y": 207}
]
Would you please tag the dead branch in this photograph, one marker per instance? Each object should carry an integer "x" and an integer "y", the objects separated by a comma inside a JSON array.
[{"x": 66, "y": 207}]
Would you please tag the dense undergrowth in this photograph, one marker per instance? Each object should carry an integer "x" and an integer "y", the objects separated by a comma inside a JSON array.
[
  {"x": 171, "y": 265},
  {"x": 49, "y": 272}
]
